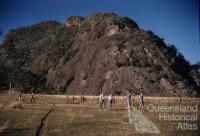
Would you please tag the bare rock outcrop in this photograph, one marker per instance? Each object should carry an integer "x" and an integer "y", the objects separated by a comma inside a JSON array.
[{"x": 88, "y": 55}]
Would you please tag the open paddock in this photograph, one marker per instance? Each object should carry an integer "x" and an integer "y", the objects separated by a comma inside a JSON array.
[{"x": 63, "y": 115}]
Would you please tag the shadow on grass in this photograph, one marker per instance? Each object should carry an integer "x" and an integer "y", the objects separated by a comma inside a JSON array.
[
  {"x": 16, "y": 131},
  {"x": 122, "y": 109}
]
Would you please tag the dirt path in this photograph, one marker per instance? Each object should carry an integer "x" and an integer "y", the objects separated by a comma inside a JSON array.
[
  {"x": 141, "y": 122},
  {"x": 43, "y": 123}
]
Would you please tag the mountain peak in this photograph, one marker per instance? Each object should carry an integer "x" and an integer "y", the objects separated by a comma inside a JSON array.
[
  {"x": 99, "y": 18},
  {"x": 88, "y": 55}
]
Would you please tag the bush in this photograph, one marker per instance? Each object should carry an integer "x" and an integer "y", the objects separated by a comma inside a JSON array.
[
  {"x": 176, "y": 78},
  {"x": 156, "y": 68},
  {"x": 181, "y": 66},
  {"x": 172, "y": 51},
  {"x": 26, "y": 81}
]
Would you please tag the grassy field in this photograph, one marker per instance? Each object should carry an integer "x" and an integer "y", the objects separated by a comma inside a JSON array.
[{"x": 59, "y": 116}]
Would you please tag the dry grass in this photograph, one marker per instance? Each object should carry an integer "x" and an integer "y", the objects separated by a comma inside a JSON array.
[
  {"x": 2, "y": 105},
  {"x": 74, "y": 119},
  {"x": 16, "y": 105},
  {"x": 4, "y": 126},
  {"x": 170, "y": 127},
  {"x": 87, "y": 120}
]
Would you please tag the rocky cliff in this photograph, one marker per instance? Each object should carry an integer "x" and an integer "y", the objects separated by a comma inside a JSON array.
[{"x": 88, "y": 55}]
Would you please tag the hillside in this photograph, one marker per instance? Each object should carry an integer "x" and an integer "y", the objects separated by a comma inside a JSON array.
[{"x": 88, "y": 55}]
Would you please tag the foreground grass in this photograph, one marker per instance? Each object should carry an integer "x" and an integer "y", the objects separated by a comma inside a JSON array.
[
  {"x": 88, "y": 121},
  {"x": 21, "y": 122}
]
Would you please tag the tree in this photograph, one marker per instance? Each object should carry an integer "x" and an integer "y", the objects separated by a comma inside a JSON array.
[
  {"x": 181, "y": 66},
  {"x": 172, "y": 51},
  {"x": 196, "y": 66}
]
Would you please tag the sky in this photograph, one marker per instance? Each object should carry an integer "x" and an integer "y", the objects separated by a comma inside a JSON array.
[{"x": 177, "y": 21}]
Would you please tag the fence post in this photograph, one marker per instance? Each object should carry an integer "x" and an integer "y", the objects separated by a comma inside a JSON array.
[{"x": 10, "y": 88}]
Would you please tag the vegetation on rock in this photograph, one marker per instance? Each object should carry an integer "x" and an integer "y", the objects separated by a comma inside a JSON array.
[{"x": 101, "y": 52}]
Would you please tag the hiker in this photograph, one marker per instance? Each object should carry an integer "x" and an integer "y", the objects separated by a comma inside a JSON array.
[
  {"x": 32, "y": 98},
  {"x": 101, "y": 101},
  {"x": 82, "y": 99},
  {"x": 141, "y": 101},
  {"x": 129, "y": 100},
  {"x": 110, "y": 101}
]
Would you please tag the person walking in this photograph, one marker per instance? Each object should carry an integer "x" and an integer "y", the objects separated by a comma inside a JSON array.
[
  {"x": 82, "y": 99},
  {"x": 110, "y": 101},
  {"x": 129, "y": 100},
  {"x": 101, "y": 101},
  {"x": 32, "y": 98},
  {"x": 141, "y": 101}
]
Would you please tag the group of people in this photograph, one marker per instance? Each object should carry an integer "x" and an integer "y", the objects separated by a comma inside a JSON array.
[
  {"x": 102, "y": 103},
  {"x": 128, "y": 98}
]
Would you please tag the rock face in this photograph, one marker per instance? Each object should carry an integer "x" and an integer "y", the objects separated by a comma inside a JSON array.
[
  {"x": 101, "y": 52},
  {"x": 74, "y": 21}
]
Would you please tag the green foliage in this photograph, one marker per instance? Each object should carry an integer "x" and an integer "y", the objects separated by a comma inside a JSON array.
[
  {"x": 181, "y": 66},
  {"x": 139, "y": 62},
  {"x": 50, "y": 40},
  {"x": 196, "y": 66},
  {"x": 176, "y": 77},
  {"x": 172, "y": 51},
  {"x": 4, "y": 79},
  {"x": 28, "y": 81},
  {"x": 31, "y": 33},
  {"x": 156, "y": 68},
  {"x": 125, "y": 22}
]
